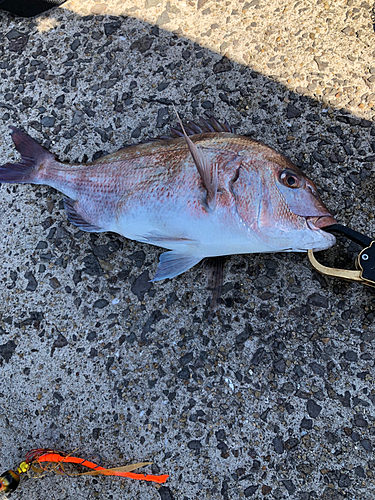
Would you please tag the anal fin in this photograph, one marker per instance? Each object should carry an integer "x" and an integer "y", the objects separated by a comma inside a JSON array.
[
  {"x": 75, "y": 218},
  {"x": 173, "y": 263}
]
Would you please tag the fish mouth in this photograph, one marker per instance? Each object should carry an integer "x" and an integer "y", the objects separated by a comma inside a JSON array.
[{"x": 320, "y": 222}]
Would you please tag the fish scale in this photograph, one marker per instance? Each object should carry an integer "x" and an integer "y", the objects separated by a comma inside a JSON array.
[{"x": 207, "y": 195}]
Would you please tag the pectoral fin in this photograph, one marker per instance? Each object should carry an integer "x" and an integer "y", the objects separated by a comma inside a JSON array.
[
  {"x": 173, "y": 263},
  {"x": 165, "y": 240},
  {"x": 215, "y": 277},
  {"x": 208, "y": 175}
]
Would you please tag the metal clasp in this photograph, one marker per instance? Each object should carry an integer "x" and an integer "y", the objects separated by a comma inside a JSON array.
[{"x": 365, "y": 261}]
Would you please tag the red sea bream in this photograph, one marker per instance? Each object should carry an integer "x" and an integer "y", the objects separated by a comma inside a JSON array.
[{"x": 211, "y": 194}]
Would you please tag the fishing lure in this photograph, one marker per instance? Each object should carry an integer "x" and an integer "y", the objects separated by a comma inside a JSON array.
[{"x": 43, "y": 460}]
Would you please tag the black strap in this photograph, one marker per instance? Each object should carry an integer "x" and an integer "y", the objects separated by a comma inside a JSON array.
[
  {"x": 28, "y": 8},
  {"x": 359, "y": 238}
]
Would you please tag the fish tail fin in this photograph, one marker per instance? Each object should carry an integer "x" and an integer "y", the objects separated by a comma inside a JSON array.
[{"x": 33, "y": 158}]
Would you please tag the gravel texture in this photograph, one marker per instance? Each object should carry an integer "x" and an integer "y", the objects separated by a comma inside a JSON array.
[{"x": 274, "y": 398}]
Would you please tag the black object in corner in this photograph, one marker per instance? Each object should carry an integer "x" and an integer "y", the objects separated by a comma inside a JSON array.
[{"x": 28, "y": 8}]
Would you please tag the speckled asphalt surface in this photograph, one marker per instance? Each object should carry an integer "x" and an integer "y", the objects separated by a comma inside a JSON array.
[{"x": 275, "y": 397}]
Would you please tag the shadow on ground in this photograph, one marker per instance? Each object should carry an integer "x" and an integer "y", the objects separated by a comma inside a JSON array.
[{"x": 275, "y": 397}]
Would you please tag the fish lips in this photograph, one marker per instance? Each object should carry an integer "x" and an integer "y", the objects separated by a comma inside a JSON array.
[
  {"x": 321, "y": 240},
  {"x": 320, "y": 222}
]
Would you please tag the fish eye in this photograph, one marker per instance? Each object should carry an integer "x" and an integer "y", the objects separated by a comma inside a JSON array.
[{"x": 290, "y": 179}]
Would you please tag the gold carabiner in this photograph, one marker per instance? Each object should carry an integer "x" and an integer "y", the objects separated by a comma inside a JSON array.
[
  {"x": 365, "y": 264},
  {"x": 344, "y": 274}
]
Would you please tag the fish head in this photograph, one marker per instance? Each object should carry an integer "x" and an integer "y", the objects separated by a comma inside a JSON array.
[
  {"x": 291, "y": 215},
  {"x": 301, "y": 207},
  {"x": 302, "y": 197}
]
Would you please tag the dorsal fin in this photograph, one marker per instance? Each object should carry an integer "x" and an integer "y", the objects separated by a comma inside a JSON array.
[
  {"x": 203, "y": 126},
  {"x": 209, "y": 175}
]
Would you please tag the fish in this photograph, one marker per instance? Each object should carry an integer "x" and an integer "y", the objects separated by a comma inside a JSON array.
[{"x": 201, "y": 192}]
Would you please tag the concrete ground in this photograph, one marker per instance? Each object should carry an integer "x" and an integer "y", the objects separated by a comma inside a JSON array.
[{"x": 275, "y": 397}]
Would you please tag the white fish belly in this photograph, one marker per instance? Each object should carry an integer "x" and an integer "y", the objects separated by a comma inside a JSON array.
[
  {"x": 207, "y": 236},
  {"x": 214, "y": 234}
]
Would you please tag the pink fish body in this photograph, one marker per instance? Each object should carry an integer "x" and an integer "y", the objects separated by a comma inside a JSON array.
[{"x": 244, "y": 197}]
